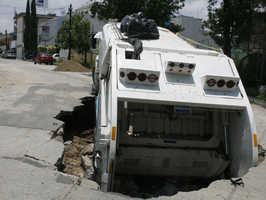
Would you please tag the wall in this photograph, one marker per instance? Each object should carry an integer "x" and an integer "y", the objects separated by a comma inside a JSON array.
[
  {"x": 19, "y": 43},
  {"x": 48, "y": 37}
]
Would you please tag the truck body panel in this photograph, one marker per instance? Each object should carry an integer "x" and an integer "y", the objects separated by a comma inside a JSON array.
[{"x": 166, "y": 114}]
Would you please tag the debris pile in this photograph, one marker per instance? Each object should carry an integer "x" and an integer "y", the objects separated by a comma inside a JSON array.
[
  {"x": 262, "y": 152},
  {"x": 77, "y": 155},
  {"x": 78, "y": 138},
  {"x": 71, "y": 66}
]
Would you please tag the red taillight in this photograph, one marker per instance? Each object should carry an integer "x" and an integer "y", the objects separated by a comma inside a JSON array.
[
  {"x": 211, "y": 82},
  {"x": 122, "y": 74},
  {"x": 221, "y": 83},
  {"x": 191, "y": 66},
  {"x": 142, "y": 77},
  {"x": 181, "y": 65},
  {"x": 230, "y": 84},
  {"x": 171, "y": 64},
  {"x": 132, "y": 76},
  {"x": 152, "y": 78}
]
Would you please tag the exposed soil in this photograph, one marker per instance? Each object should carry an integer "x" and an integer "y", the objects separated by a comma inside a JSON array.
[
  {"x": 262, "y": 152},
  {"x": 78, "y": 137},
  {"x": 71, "y": 66}
]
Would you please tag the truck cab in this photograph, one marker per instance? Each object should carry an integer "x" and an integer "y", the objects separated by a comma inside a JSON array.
[{"x": 176, "y": 111}]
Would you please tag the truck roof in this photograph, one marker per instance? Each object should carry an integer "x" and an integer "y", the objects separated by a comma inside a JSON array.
[{"x": 168, "y": 41}]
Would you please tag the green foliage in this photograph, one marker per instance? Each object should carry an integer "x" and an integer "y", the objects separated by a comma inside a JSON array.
[
  {"x": 231, "y": 23},
  {"x": 27, "y": 31},
  {"x": 161, "y": 11},
  {"x": 62, "y": 40},
  {"x": 42, "y": 48},
  {"x": 47, "y": 49},
  {"x": 51, "y": 49},
  {"x": 261, "y": 97},
  {"x": 34, "y": 29},
  {"x": 81, "y": 33},
  {"x": 81, "y": 37},
  {"x": 252, "y": 70},
  {"x": 228, "y": 23}
]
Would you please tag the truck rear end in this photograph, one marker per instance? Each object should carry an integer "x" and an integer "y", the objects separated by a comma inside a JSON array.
[{"x": 175, "y": 112}]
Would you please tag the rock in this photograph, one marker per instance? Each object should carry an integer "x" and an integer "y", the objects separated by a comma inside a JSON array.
[
  {"x": 90, "y": 184},
  {"x": 68, "y": 142},
  {"x": 87, "y": 165},
  {"x": 88, "y": 149}
]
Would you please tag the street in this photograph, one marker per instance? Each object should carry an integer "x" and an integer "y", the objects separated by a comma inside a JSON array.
[{"x": 31, "y": 96}]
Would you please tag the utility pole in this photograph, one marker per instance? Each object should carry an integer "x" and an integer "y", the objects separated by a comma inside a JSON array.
[
  {"x": 6, "y": 41},
  {"x": 70, "y": 28}
]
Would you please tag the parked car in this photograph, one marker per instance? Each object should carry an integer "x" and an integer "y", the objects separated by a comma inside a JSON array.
[
  {"x": 9, "y": 54},
  {"x": 12, "y": 55},
  {"x": 44, "y": 58},
  {"x": 56, "y": 57}
]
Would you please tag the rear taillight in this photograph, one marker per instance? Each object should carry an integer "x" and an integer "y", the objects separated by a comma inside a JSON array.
[
  {"x": 180, "y": 68},
  {"x": 142, "y": 77},
  {"x": 153, "y": 78},
  {"x": 230, "y": 84},
  {"x": 171, "y": 64},
  {"x": 218, "y": 83},
  {"x": 132, "y": 76},
  {"x": 211, "y": 82},
  {"x": 191, "y": 66},
  {"x": 122, "y": 74},
  {"x": 181, "y": 65},
  {"x": 221, "y": 83}
]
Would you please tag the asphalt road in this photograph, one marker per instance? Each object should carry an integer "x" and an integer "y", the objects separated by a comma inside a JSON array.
[{"x": 31, "y": 96}]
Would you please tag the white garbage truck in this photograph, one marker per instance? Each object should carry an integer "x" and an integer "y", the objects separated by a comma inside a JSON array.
[{"x": 175, "y": 111}]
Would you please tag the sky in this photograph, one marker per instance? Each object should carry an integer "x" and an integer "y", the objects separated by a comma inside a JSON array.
[{"x": 195, "y": 8}]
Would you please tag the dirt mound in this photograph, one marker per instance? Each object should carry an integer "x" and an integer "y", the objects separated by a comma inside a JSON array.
[{"x": 71, "y": 66}]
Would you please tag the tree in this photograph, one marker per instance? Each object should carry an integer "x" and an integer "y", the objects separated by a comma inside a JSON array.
[
  {"x": 34, "y": 29},
  {"x": 230, "y": 23},
  {"x": 62, "y": 40},
  {"x": 27, "y": 31},
  {"x": 80, "y": 35},
  {"x": 161, "y": 11}
]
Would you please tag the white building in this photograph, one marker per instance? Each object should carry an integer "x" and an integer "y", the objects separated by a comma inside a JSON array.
[
  {"x": 47, "y": 31},
  {"x": 21, "y": 26}
]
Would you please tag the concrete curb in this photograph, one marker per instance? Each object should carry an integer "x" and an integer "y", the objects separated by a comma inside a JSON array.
[{"x": 257, "y": 101}]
